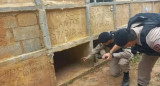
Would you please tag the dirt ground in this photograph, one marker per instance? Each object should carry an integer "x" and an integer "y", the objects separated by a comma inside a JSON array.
[{"x": 101, "y": 77}]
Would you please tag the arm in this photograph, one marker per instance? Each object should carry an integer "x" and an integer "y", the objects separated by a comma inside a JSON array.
[
  {"x": 109, "y": 55},
  {"x": 126, "y": 54},
  {"x": 153, "y": 39},
  {"x": 98, "y": 48},
  {"x": 156, "y": 46}
]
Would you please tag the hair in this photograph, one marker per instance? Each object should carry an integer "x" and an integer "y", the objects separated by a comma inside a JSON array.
[
  {"x": 104, "y": 37},
  {"x": 132, "y": 35}
]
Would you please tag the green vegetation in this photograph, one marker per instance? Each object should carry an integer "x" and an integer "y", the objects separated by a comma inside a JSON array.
[{"x": 136, "y": 58}]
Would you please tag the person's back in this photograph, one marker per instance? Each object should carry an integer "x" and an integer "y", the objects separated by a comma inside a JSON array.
[
  {"x": 148, "y": 32},
  {"x": 146, "y": 37}
]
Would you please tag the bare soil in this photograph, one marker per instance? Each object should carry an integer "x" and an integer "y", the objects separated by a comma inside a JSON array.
[{"x": 101, "y": 77}]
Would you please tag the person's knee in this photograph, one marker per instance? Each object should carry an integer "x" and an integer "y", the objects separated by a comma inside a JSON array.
[
  {"x": 115, "y": 74},
  {"x": 123, "y": 62}
]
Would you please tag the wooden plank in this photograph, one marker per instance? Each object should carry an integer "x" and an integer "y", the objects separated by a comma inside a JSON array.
[
  {"x": 136, "y": 8},
  {"x": 101, "y": 19},
  {"x": 122, "y": 15},
  {"x": 67, "y": 25},
  {"x": 156, "y": 7},
  {"x": 36, "y": 71}
]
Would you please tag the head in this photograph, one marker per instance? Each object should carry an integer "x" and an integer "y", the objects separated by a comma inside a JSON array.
[
  {"x": 125, "y": 37},
  {"x": 105, "y": 38}
]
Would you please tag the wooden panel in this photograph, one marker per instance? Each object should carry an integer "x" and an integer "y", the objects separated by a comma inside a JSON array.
[
  {"x": 48, "y": 2},
  {"x": 101, "y": 19},
  {"x": 13, "y": 3},
  {"x": 122, "y": 15},
  {"x": 147, "y": 7},
  {"x": 67, "y": 25},
  {"x": 36, "y": 71},
  {"x": 157, "y": 7},
  {"x": 136, "y": 8}
]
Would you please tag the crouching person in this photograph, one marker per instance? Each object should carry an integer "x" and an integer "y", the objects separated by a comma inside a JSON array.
[{"x": 120, "y": 63}]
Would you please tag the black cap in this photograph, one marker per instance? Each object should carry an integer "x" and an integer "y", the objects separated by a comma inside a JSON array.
[
  {"x": 104, "y": 37},
  {"x": 121, "y": 37}
]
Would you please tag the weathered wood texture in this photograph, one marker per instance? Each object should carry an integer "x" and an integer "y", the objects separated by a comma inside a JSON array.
[
  {"x": 50, "y": 2},
  {"x": 19, "y": 33},
  {"x": 147, "y": 7},
  {"x": 156, "y": 7},
  {"x": 67, "y": 25},
  {"x": 136, "y": 8},
  {"x": 122, "y": 13},
  {"x": 101, "y": 19},
  {"x": 36, "y": 71}
]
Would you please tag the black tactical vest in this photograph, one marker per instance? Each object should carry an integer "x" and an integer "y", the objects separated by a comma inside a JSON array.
[
  {"x": 112, "y": 44},
  {"x": 148, "y": 21}
]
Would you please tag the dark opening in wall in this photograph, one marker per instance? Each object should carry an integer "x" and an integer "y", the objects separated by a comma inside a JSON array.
[
  {"x": 96, "y": 60},
  {"x": 68, "y": 63},
  {"x": 95, "y": 43}
]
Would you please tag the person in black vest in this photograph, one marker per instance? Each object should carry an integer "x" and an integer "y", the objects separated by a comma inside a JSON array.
[
  {"x": 143, "y": 35},
  {"x": 120, "y": 63}
]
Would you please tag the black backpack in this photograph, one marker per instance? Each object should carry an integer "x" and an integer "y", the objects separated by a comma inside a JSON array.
[
  {"x": 148, "y": 21},
  {"x": 145, "y": 19}
]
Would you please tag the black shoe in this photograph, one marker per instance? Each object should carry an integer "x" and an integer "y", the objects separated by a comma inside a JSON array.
[
  {"x": 139, "y": 85},
  {"x": 126, "y": 80}
]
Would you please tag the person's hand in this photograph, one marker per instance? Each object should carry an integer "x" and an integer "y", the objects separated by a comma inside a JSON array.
[
  {"x": 84, "y": 59},
  {"x": 107, "y": 56}
]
